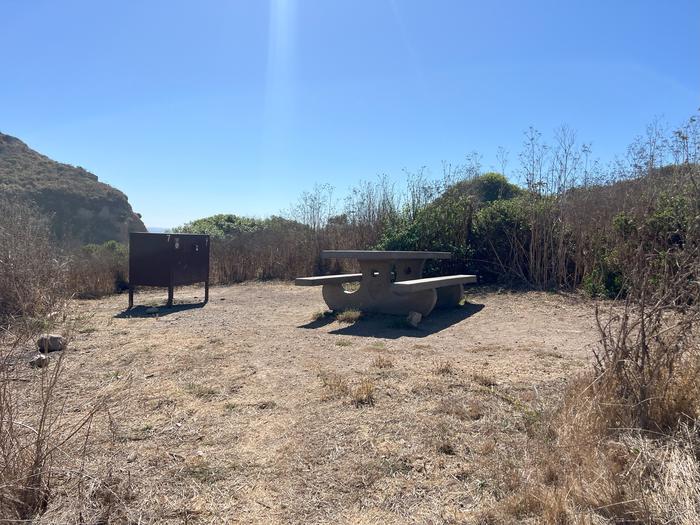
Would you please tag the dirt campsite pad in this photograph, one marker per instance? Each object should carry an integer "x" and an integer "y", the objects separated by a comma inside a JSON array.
[{"x": 247, "y": 410}]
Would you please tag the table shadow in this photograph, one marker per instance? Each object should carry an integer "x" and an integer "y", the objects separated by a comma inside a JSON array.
[
  {"x": 147, "y": 311},
  {"x": 394, "y": 326}
]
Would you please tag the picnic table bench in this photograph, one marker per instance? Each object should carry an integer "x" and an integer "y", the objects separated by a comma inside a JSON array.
[{"x": 390, "y": 283}]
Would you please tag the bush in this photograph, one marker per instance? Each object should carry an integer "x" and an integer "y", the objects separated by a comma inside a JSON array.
[
  {"x": 32, "y": 270},
  {"x": 485, "y": 188},
  {"x": 246, "y": 249},
  {"x": 603, "y": 283},
  {"x": 500, "y": 228},
  {"x": 33, "y": 298},
  {"x": 448, "y": 224},
  {"x": 99, "y": 269}
]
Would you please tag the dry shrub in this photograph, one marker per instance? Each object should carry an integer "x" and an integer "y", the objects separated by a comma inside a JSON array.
[
  {"x": 334, "y": 385},
  {"x": 623, "y": 444},
  {"x": 382, "y": 362},
  {"x": 245, "y": 249},
  {"x": 32, "y": 271},
  {"x": 348, "y": 316},
  {"x": 321, "y": 314},
  {"x": 363, "y": 394},
  {"x": 34, "y": 432},
  {"x": 582, "y": 467},
  {"x": 97, "y": 270},
  {"x": 648, "y": 365},
  {"x": 37, "y": 438}
]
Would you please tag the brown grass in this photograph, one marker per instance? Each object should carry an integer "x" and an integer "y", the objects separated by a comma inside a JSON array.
[
  {"x": 348, "y": 316},
  {"x": 247, "y": 413},
  {"x": 382, "y": 362},
  {"x": 321, "y": 314},
  {"x": 334, "y": 385},
  {"x": 32, "y": 271},
  {"x": 363, "y": 394},
  {"x": 38, "y": 438},
  {"x": 579, "y": 469},
  {"x": 464, "y": 409},
  {"x": 201, "y": 391},
  {"x": 444, "y": 368},
  {"x": 484, "y": 380}
]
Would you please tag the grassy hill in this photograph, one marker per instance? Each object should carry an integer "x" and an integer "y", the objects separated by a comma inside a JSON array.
[{"x": 82, "y": 209}]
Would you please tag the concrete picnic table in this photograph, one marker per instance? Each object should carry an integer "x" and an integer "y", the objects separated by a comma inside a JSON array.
[{"x": 390, "y": 283}]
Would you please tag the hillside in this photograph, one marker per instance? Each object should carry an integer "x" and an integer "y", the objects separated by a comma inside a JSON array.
[{"x": 83, "y": 209}]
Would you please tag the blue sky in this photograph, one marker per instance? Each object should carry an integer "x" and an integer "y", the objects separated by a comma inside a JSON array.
[{"x": 195, "y": 108}]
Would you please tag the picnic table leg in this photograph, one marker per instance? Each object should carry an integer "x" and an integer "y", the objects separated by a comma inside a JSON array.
[
  {"x": 449, "y": 296},
  {"x": 375, "y": 294}
]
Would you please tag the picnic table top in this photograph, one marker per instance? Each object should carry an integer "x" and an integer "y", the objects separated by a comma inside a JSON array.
[{"x": 383, "y": 255}]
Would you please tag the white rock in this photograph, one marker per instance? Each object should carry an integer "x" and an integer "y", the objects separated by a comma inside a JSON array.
[{"x": 39, "y": 361}]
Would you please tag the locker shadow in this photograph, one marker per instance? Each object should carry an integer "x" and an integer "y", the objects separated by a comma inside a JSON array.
[{"x": 156, "y": 311}]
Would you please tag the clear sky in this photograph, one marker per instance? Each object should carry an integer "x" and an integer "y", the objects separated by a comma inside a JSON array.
[{"x": 200, "y": 107}]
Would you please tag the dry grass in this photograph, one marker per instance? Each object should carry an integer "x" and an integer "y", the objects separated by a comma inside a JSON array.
[
  {"x": 348, "y": 316},
  {"x": 201, "y": 391},
  {"x": 444, "y": 368},
  {"x": 32, "y": 272},
  {"x": 382, "y": 362},
  {"x": 246, "y": 413},
  {"x": 334, "y": 385},
  {"x": 464, "y": 409},
  {"x": 39, "y": 439},
  {"x": 320, "y": 314},
  {"x": 578, "y": 469},
  {"x": 484, "y": 380},
  {"x": 363, "y": 394}
]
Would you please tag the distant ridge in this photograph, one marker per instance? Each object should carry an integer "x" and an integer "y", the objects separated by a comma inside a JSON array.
[{"x": 82, "y": 209}]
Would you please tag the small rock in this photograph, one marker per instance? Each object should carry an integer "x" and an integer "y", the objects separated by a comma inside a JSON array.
[
  {"x": 39, "y": 361},
  {"x": 51, "y": 343},
  {"x": 414, "y": 318}
]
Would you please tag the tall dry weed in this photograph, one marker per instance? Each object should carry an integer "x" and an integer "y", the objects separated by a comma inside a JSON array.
[{"x": 32, "y": 270}]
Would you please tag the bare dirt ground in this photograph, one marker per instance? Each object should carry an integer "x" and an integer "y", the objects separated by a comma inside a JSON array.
[{"x": 247, "y": 411}]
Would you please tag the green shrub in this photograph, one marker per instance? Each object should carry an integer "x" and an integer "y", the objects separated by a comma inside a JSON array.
[
  {"x": 603, "y": 283},
  {"x": 485, "y": 188},
  {"x": 447, "y": 223},
  {"x": 498, "y": 227}
]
